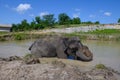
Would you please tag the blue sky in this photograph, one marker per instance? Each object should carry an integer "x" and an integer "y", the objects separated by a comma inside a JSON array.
[{"x": 105, "y": 11}]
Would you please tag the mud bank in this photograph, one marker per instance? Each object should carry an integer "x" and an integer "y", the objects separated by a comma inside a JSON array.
[
  {"x": 52, "y": 69},
  {"x": 71, "y": 31},
  {"x": 37, "y": 35}
]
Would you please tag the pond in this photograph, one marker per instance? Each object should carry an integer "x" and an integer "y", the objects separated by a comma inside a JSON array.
[{"x": 105, "y": 52}]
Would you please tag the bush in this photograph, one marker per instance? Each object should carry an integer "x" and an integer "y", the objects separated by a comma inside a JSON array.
[{"x": 19, "y": 36}]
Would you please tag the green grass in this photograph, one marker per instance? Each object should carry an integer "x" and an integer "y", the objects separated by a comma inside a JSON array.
[
  {"x": 19, "y": 36},
  {"x": 74, "y": 25},
  {"x": 106, "y": 34},
  {"x": 100, "y": 66},
  {"x": 105, "y": 31},
  {"x": 28, "y": 55},
  {"x": 3, "y": 33},
  {"x": 97, "y": 35},
  {"x": 78, "y": 34},
  {"x": 99, "y": 32}
]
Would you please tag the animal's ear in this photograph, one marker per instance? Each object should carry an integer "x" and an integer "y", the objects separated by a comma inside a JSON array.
[
  {"x": 66, "y": 41},
  {"x": 85, "y": 47}
]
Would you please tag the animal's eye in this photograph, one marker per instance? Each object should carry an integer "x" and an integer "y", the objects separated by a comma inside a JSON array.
[
  {"x": 75, "y": 49},
  {"x": 78, "y": 41}
]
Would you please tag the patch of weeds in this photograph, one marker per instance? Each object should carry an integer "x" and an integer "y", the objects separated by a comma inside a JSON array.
[
  {"x": 19, "y": 36},
  {"x": 30, "y": 59},
  {"x": 118, "y": 38},
  {"x": 100, "y": 66},
  {"x": 2, "y": 39},
  {"x": 28, "y": 56}
]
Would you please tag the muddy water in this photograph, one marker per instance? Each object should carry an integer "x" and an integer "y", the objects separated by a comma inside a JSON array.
[
  {"x": 105, "y": 52},
  {"x": 11, "y": 48}
]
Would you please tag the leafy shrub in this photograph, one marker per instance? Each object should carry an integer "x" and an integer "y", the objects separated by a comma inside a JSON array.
[{"x": 19, "y": 36}]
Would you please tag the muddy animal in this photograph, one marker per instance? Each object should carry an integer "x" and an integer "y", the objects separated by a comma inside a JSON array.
[{"x": 61, "y": 47}]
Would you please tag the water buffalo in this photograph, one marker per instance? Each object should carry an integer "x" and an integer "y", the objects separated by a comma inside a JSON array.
[{"x": 61, "y": 47}]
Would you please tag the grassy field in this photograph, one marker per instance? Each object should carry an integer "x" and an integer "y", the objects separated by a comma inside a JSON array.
[
  {"x": 106, "y": 34},
  {"x": 106, "y": 31},
  {"x": 75, "y": 25}
]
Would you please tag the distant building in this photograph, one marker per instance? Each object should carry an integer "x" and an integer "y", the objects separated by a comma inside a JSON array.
[{"x": 5, "y": 28}]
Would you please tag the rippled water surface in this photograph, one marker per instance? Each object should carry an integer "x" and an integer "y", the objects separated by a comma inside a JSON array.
[{"x": 105, "y": 52}]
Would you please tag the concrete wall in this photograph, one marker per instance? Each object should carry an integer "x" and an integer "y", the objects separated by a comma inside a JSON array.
[{"x": 5, "y": 28}]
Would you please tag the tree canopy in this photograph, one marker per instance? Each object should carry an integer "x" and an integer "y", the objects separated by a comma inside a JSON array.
[
  {"x": 38, "y": 19},
  {"x": 119, "y": 20},
  {"x": 97, "y": 22},
  {"x": 48, "y": 21},
  {"x": 63, "y": 19},
  {"x": 76, "y": 20}
]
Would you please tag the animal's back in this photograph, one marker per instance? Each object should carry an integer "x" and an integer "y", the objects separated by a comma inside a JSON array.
[{"x": 43, "y": 48}]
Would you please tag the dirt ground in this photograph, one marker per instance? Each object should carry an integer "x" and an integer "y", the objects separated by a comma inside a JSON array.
[{"x": 52, "y": 69}]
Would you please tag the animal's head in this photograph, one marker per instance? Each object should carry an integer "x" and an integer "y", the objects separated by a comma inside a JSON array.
[
  {"x": 76, "y": 48},
  {"x": 72, "y": 45},
  {"x": 85, "y": 54}
]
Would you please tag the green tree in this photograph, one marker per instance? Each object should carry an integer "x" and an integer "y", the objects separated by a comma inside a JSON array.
[
  {"x": 119, "y": 20},
  {"x": 97, "y": 22},
  {"x": 18, "y": 27},
  {"x": 14, "y": 27},
  {"x": 63, "y": 19},
  {"x": 76, "y": 20},
  {"x": 32, "y": 25},
  {"x": 38, "y": 19},
  {"x": 37, "y": 26},
  {"x": 88, "y": 22},
  {"x": 48, "y": 20},
  {"x": 24, "y": 25},
  {"x": 38, "y": 23}
]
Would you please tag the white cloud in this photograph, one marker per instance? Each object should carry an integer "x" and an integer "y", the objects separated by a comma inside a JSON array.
[
  {"x": 43, "y": 13},
  {"x": 107, "y": 13},
  {"x": 76, "y": 15},
  {"x": 32, "y": 15},
  {"x": 92, "y": 16},
  {"x": 77, "y": 9},
  {"x": 21, "y": 8}
]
